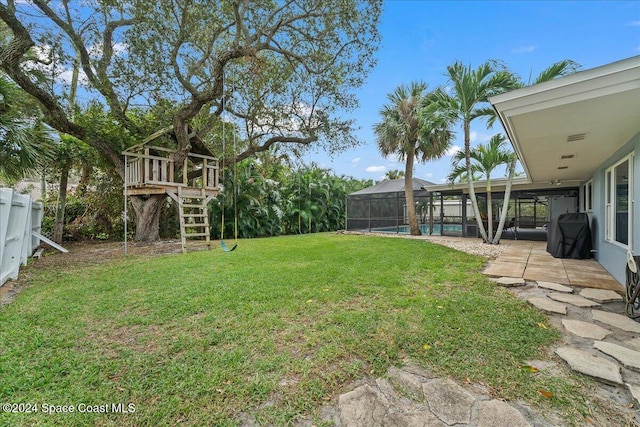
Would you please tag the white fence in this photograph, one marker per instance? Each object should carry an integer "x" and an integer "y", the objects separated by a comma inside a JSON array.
[{"x": 20, "y": 216}]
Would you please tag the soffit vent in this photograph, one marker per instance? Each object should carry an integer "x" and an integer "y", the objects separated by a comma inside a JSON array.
[
  {"x": 563, "y": 167},
  {"x": 567, "y": 156},
  {"x": 576, "y": 137}
]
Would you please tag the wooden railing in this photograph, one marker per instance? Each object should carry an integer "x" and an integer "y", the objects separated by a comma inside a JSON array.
[{"x": 155, "y": 166}]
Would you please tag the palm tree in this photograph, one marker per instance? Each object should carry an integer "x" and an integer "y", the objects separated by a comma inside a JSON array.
[
  {"x": 25, "y": 143},
  {"x": 394, "y": 174},
  {"x": 485, "y": 158},
  {"x": 558, "y": 69},
  {"x": 459, "y": 173},
  {"x": 467, "y": 101},
  {"x": 511, "y": 168},
  {"x": 408, "y": 134}
]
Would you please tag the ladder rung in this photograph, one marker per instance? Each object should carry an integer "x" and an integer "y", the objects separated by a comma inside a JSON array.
[
  {"x": 190, "y": 205},
  {"x": 196, "y": 225},
  {"x": 188, "y": 235},
  {"x": 194, "y": 215}
]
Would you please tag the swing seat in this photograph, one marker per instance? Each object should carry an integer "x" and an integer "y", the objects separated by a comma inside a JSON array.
[{"x": 226, "y": 248}]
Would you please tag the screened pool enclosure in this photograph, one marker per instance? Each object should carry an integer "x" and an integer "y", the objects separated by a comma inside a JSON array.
[
  {"x": 383, "y": 208},
  {"x": 447, "y": 211}
]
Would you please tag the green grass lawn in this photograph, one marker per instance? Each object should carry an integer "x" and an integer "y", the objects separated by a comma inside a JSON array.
[{"x": 274, "y": 329}]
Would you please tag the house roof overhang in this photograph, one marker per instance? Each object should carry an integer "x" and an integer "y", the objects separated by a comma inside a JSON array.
[
  {"x": 499, "y": 185},
  {"x": 562, "y": 130}
]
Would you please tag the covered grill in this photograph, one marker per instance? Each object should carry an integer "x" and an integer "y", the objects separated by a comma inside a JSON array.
[{"x": 569, "y": 236}]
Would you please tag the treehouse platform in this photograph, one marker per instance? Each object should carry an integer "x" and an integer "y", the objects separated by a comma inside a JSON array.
[{"x": 191, "y": 183}]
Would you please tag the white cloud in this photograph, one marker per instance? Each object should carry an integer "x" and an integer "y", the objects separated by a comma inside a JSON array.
[
  {"x": 453, "y": 150},
  {"x": 443, "y": 180},
  {"x": 117, "y": 48},
  {"x": 428, "y": 175},
  {"x": 66, "y": 76},
  {"x": 634, "y": 23},
  {"x": 524, "y": 49},
  {"x": 376, "y": 169},
  {"x": 356, "y": 161},
  {"x": 475, "y": 136}
]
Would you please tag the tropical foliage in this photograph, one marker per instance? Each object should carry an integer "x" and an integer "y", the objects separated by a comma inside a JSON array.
[
  {"x": 267, "y": 201},
  {"x": 309, "y": 199},
  {"x": 394, "y": 174}
]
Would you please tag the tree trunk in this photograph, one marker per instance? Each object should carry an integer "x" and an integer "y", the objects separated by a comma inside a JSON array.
[
  {"x": 147, "y": 210},
  {"x": 85, "y": 178},
  {"x": 505, "y": 203},
  {"x": 43, "y": 185},
  {"x": 489, "y": 211},
  {"x": 58, "y": 228},
  {"x": 414, "y": 228},
  {"x": 472, "y": 189}
]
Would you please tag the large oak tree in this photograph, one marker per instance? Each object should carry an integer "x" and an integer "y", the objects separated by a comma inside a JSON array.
[{"x": 284, "y": 71}]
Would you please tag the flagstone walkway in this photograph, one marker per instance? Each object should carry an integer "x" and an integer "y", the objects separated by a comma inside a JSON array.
[
  {"x": 598, "y": 339},
  {"x": 582, "y": 300},
  {"x": 598, "y": 342}
]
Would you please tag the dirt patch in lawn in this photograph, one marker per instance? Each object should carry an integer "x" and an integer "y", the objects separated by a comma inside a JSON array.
[{"x": 84, "y": 254}]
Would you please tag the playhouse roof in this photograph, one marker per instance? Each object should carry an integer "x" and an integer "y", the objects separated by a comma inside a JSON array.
[{"x": 197, "y": 144}]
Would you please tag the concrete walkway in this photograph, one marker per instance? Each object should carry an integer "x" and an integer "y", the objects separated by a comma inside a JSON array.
[{"x": 531, "y": 261}]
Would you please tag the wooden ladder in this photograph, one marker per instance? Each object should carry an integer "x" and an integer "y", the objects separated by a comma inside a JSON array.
[{"x": 194, "y": 216}]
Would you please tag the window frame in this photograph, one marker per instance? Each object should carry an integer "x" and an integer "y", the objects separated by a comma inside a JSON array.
[
  {"x": 610, "y": 202},
  {"x": 587, "y": 203}
]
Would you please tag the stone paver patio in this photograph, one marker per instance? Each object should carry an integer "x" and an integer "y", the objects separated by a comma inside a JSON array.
[{"x": 531, "y": 261}]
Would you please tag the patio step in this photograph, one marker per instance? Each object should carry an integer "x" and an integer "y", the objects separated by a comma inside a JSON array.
[{"x": 600, "y": 295}]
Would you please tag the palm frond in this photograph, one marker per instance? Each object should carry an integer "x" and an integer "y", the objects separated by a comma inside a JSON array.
[{"x": 559, "y": 69}]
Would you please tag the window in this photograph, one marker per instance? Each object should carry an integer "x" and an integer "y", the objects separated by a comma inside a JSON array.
[
  {"x": 588, "y": 196},
  {"x": 618, "y": 205}
]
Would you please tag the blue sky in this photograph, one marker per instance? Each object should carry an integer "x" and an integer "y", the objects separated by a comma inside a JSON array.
[{"x": 421, "y": 38}]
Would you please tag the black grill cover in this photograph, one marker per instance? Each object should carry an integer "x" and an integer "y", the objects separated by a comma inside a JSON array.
[{"x": 569, "y": 236}]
